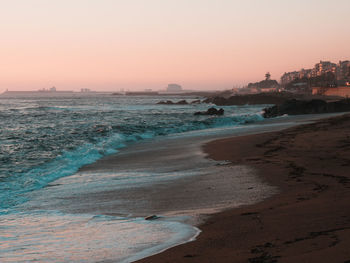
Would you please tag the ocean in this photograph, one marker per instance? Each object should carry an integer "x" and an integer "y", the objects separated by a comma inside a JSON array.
[{"x": 46, "y": 142}]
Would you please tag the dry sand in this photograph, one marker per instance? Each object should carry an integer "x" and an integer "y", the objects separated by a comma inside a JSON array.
[{"x": 308, "y": 221}]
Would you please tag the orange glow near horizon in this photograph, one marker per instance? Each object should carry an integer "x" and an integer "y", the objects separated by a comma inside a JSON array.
[{"x": 108, "y": 45}]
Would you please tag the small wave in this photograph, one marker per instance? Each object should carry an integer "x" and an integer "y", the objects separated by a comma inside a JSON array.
[{"x": 68, "y": 163}]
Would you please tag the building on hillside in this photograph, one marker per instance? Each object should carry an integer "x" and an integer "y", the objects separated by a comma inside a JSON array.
[
  {"x": 288, "y": 77},
  {"x": 324, "y": 67},
  {"x": 244, "y": 91},
  {"x": 305, "y": 73},
  {"x": 267, "y": 85},
  {"x": 324, "y": 74},
  {"x": 343, "y": 72}
]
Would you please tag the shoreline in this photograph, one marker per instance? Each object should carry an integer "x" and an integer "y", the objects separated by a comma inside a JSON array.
[
  {"x": 184, "y": 196},
  {"x": 308, "y": 221}
]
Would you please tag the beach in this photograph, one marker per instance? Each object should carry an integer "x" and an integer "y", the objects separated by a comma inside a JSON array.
[
  {"x": 86, "y": 167},
  {"x": 102, "y": 174},
  {"x": 308, "y": 220},
  {"x": 174, "y": 131}
]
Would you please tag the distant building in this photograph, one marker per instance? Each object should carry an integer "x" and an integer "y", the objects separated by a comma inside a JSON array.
[
  {"x": 324, "y": 74},
  {"x": 245, "y": 90},
  {"x": 85, "y": 90},
  {"x": 343, "y": 72},
  {"x": 53, "y": 89},
  {"x": 320, "y": 69},
  {"x": 288, "y": 77},
  {"x": 305, "y": 73},
  {"x": 324, "y": 67},
  {"x": 41, "y": 92},
  {"x": 174, "y": 88}
]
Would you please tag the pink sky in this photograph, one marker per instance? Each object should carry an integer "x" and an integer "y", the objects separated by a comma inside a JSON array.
[{"x": 134, "y": 44}]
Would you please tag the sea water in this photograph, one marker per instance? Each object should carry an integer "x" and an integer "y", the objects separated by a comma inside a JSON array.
[{"x": 47, "y": 139}]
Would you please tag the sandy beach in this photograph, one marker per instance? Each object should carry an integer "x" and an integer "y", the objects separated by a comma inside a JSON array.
[
  {"x": 175, "y": 131},
  {"x": 307, "y": 221},
  {"x": 274, "y": 191}
]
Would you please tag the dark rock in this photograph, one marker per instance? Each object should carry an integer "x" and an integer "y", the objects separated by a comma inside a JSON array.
[
  {"x": 210, "y": 111},
  {"x": 339, "y": 106},
  {"x": 264, "y": 258},
  {"x": 208, "y": 100},
  {"x": 250, "y": 99},
  {"x": 297, "y": 107},
  {"x": 182, "y": 102},
  {"x": 213, "y": 111},
  {"x": 169, "y": 102},
  {"x": 152, "y": 217},
  {"x": 196, "y": 102}
]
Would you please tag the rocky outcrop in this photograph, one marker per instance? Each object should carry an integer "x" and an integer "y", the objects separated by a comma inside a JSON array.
[
  {"x": 250, "y": 99},
  {"x": 182, "y": 102},
  {"x": 169, "y": 102},
  {"x": 152, "y": 217},
  {"x": 165, "y": 102},
  {"x": 211, "y": 111},
  {"x": 297, "y": 107},
  {"x": 264, "y": 84}
]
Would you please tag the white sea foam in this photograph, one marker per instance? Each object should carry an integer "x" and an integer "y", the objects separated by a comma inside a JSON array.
[
  {"x": 48, "y": 138},
  {"x": 56, "y": 237}
]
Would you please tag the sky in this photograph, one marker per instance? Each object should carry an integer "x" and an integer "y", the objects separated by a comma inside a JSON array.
[{"x": 106, "y": 45}]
